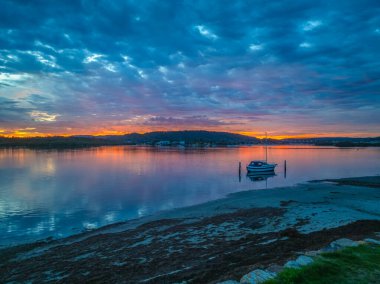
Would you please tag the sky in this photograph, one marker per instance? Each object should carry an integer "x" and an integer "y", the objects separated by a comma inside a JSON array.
[{"x": 289, "y": 68}]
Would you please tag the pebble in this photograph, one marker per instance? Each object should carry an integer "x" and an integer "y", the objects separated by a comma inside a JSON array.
[
  {"x": 339, "y": 244},
  {"x": 304, "y": 260},
  {"x": 275, "y": 268},
  {"x": 292, "y": 264},
  {"x": 257, "y": 276},
  {"x": 372, "y": 241},
  {"x": 299, "y": 262},
  {"x": 312, "y": 253}
]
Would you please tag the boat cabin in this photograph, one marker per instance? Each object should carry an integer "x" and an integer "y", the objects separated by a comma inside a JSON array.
[{"x": 257, "y": 163}]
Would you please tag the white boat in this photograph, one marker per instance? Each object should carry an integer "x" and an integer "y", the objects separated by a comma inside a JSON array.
[{"x": 261, "y": 166}]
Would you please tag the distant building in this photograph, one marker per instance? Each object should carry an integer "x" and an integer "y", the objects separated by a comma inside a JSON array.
[{"x": 163, "y": 143}]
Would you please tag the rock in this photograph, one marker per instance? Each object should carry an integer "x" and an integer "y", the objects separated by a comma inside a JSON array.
[
  {"x": 292, "y": 264},
  {"x": 340, "y": 244},
  {"x": 257, "y": 276},
  {"x": 345, "y": 243},
  {"x": 372, "y": 241},
  {"x": 228, "y": 282},
  {"x": 302, "y": 260},
  {"x": 312, "y": 253},
  {"x": 275, "y": 268}
]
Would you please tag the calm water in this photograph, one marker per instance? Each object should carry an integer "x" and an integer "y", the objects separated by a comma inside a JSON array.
[{"x": 50, "y": 193}]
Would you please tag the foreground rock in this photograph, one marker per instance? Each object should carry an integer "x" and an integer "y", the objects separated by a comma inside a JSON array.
[
  {"x": 372, "y": 241},
  {"x": 340, "y": 244},
  {"x": 302, "y": 260},
  {"x": 260, "y": 276},
  {"x": 257, "y": 276}
]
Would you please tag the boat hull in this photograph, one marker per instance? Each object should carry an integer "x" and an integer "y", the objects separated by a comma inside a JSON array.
[{"x": 261, "y": 169}]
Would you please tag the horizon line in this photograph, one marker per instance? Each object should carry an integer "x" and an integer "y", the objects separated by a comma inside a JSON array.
[{"x": 244, "y": 133}]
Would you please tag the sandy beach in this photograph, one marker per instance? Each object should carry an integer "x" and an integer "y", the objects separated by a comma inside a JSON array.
[{"x": 206, "y": 243}]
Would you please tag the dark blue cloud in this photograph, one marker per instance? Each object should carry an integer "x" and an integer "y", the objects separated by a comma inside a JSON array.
[{"x": 115, "y": 64}]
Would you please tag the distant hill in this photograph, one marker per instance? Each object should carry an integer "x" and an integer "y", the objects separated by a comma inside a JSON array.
[{"x": 187, "y": 137}]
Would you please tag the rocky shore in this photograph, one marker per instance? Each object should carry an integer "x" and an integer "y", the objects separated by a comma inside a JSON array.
[{"x": 207, "y": 243}]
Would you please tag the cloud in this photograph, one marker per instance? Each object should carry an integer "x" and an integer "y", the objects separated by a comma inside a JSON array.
[
  {"x": 311, "y": 25},
  {"x": 206, "y": 32},
  {"x": 43, "y": 116},
  {"x": 255, "y": 47},
  {"x": 183, "y": 62},
  {"x": 305, "y": 45},
  {"x": 189, "y": 121}
]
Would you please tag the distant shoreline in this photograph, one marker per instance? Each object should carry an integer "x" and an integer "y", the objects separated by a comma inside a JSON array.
[
  {"x": 78, "y": 147},
  {"x": 178, "y": 139}
]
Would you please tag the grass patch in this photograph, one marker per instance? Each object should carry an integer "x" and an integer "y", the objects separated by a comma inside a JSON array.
[{"x": 356, "y": 265}]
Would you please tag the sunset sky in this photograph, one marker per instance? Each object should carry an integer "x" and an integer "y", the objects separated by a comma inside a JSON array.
[{"x": 291, "y": 68}]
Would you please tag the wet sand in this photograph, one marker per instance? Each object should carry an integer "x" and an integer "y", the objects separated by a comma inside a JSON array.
[{"x": 207, "y": 243}]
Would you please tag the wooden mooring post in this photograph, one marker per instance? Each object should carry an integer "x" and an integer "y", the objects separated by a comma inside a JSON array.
[
  {"x": 285, "y": 168},
  {"x": 239, "y": 171}
]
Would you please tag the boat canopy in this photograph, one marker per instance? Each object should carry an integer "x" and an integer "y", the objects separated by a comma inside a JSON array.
[{"x": 258, "y": 163}]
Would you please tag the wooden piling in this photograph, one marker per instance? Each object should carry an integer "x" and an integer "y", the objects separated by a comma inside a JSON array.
[
  {"x": 285, "y": 169},
  {"x": 239, "y": 171}
]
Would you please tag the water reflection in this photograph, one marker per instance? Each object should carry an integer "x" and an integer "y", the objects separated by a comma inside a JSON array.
[
  {"x": 260, "y": 176},
  {"x": 50, "y": 193}
]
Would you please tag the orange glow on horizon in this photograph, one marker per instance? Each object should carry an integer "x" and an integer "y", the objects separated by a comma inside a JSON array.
[{"x": 24, "y": 133}]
